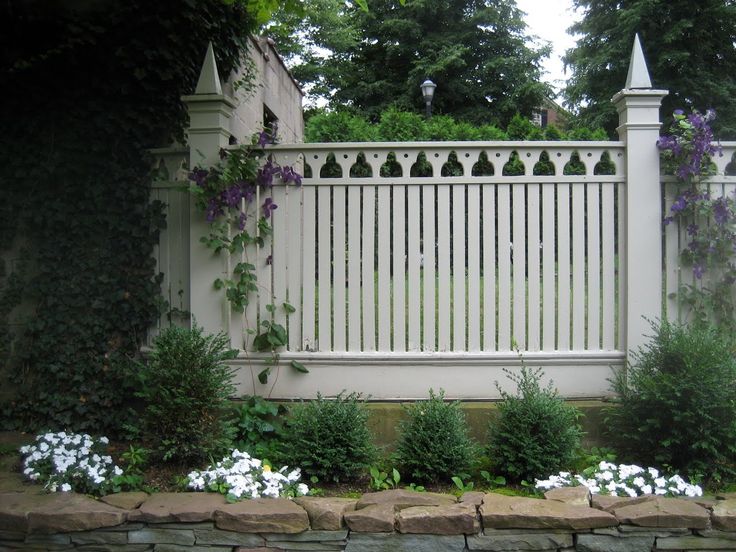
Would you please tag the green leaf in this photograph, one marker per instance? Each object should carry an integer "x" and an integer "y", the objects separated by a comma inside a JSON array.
[
  {"x": 263, "y": 375},
  {"x": 299, "y": 367},
  {"x": 271, "y": 308},
  {"x": 288, "y": 308}
]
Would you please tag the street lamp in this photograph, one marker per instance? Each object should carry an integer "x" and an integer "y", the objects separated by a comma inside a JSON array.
[{"x": 428, "y": 92}]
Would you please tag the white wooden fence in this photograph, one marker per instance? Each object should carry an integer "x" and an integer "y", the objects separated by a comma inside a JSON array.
[{"x": 405, "y": 283}]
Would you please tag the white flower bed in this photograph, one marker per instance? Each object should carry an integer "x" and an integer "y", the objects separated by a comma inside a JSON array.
[
  {"x": 240, "y": 476},
  {"x": 623, "y": 480},
  {"x": 70, "y": 462}
]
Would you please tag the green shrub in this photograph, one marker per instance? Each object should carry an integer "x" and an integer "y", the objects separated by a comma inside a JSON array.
[
  {"x": 185, "y": 387},
  {"x": 536, "y": 433},
  {"x": 329, "y": 438},
  {"x": 257, "y": 426},
  {"x": 676, "y": 404},
  {"x": 434, "y": 444}
]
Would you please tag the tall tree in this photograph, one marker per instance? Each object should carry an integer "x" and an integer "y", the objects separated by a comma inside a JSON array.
[
  {"x": 690, "y": 49},
  {"x": 474, "y": 50}
]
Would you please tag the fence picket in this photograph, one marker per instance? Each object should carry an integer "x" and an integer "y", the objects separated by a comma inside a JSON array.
[
  {"x": 458, "y": 268},
  {"x": 489, "y": 268},
  {"x": 384, "y": 269},
  {"x": 368, "y": 269},
  {"x": 474, "y": 275},
  {"x": 593, "y": 256},
  {"x": 399, "y": 263},
  {"x": 503, "y": 211},
  {"x": 578, "y": 268},
  {"x": 608, "y": 263},
  {"x": 294, "y": 266},
  {"x": 549, "y": 299},
  {"x": 353, "y": 280},
  {"x": 534, "y": 304},
  {"x": 308, "y": 268},
  {"x": 324, "y": 339},
  {"x": 413, "y": 259},
  {"x": 443, "y": 268},
  {"x": 428, "y": 269},
  {"x": 563, "y": 264},
  {"x": 339, "y": 279}
]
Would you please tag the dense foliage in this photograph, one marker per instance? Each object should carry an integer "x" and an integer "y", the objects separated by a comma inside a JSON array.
[
  {"x": 185, "y": 387},
  {"x": 87, "y": 87},
  {"x": 329, "y": 438},
  {"x": 474, "y": 50},
  {"x": 677, "y": 402},
  {"x": 708, "y": 218},
  {"x": 536, "y": 433},
  {"x": 433, "y": 440},
  {"x": 689, "y": 49}
]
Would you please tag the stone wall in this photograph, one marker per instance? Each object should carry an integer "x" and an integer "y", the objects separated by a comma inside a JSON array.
[
  {"x": 275, "y": 89},
  {"x": 390, "y": 521}
]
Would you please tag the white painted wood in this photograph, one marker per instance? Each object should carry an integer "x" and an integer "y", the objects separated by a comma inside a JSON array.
[
  {"x": 280, "y": 252},
  {"x": 593, "y": 255},
  {"x": 339, "y": 275},
  {"x": 263, "y": 260},
  {"x": 503, "y": 211},
  {"x": 578, "y": 268},
  {"x": 519, "y": 237},
  {"x": 399, "y": 266},
  {"x": 309, "y": 221},
  {"x": 622, "y": 268},
  {"x": 294, "y": 266},
  {"x": 575, "y": 375},
  {"x": 413, "y": 257},
  {"x": 429, "y": 248},
  {"x": 563, "y": 267},
  {"x": 458, "y": 269},
  {"x": 474, "y": 275},
  {"x": 549, "y": 272},
  {"x": 384, "y": 269},
  {"x": 534, "y": 293},
  {"x": 489, "y": 268},
  {"x": 325, "y": 265},
  {"x": 608, "y": 263},
  {"x": 353, "y": 279},
  {"x": 368, "y": 269},
  {"x": 443, "y": 269}
]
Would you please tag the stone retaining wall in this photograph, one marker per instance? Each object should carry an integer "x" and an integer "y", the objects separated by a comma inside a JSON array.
[{"x": 390, "y": 521}]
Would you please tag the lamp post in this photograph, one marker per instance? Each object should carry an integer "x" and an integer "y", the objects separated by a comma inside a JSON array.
[{"x": 427, "y": 88}]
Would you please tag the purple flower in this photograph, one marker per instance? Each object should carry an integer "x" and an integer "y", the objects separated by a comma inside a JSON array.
[
  {"x": 199, "y": 176},
  {"x": 692, "y": 229},
  {"x": 241, "y": 221},
  {"x": 263, "y": 138},
  {"x": 268, "y": 207},
  {"x": 721, "y": 213},
  {"x": 288, "y": 174},
  {"x": 265, "y": 175},
  {"x": 680, "y": 204},
  {"x": 698, "y": 271},
  {"x": 269, "y": 260}
]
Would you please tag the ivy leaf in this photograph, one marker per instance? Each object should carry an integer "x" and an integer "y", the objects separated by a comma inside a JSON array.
[
  {"x": 288, "y": 308},
  {"x": 299, "y": 367},
  {"x": 263, "y": 375}
]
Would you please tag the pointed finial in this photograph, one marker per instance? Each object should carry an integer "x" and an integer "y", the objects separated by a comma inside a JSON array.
[
  {"x": 209, "y": 78},
  {"x": 638, "y": 76}
]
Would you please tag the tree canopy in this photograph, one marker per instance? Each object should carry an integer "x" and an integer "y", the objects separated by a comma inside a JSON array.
[
  {"x": 474, "y": 50},
  {"x": 690, "y": 48}
]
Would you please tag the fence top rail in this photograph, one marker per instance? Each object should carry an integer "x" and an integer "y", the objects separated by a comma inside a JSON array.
[{"x": 463, "y": 145}]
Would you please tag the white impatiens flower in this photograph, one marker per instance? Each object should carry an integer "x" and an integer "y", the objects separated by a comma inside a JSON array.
[
  {"x": 240, "y": 476},
  {"x": 69, "y": 462},
  {"x": 623, "y": 480}
]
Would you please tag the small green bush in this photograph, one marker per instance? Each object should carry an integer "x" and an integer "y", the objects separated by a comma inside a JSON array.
[
  {"x": 536, "y": 433},
  {"x": 676, "y": 404},
  {"x": 329, "y": 438},
  {"x": 185, "y": 386},
  {"x": 434, "y": 444}
]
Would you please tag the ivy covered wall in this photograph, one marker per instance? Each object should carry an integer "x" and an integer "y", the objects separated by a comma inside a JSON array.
[{"x": 88, "y": 86}]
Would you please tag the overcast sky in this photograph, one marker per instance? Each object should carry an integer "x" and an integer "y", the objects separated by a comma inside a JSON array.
[{"x": 549, "y": 20}]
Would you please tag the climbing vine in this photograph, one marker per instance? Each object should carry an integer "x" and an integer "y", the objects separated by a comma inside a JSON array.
[
  {"x": 228, "y": 194},
  {"x": 709, "y": 221},
  {"x": 88, "y": 87}
]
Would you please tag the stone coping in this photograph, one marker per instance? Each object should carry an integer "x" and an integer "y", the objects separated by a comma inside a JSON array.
[{"x": 399, "y": 510}]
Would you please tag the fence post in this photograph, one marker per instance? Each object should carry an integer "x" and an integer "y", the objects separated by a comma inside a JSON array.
[
  {"x": 209, "y": 114},
  {"x": 640, "y": 257}
]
